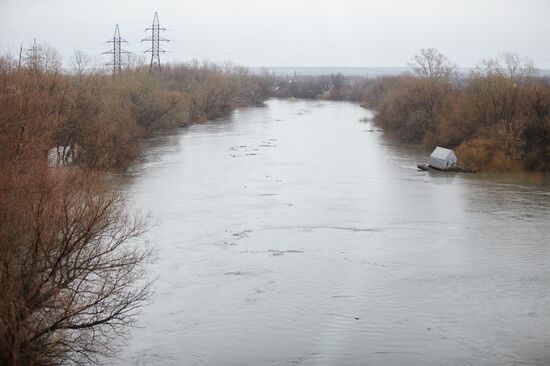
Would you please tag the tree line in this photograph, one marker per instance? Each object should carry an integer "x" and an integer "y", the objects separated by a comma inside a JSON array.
[
  {"x": 497, "y": 116},
  {"x": 72, "y": 252}
]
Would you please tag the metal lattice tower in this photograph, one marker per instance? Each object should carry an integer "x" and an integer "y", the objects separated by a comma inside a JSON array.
[
  {"x": 155, "y": 40},
  {"x": 117, "y": 51},
  {"x": 20, "y": 56},
  {"x": 34, "y": 55}
]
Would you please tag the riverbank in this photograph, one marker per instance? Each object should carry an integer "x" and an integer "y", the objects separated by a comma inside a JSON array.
[
  {"x": 96, "y": 120},
  {"x": 497, "y": 117},
  {"x": 72, "y": 252}
]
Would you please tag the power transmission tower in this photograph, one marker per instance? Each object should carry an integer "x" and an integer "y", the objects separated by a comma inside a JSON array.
[
  {"x": 117, "y": 51},
  {"x": 20, "y": 56},
  {"x": 34, "y": 55},
  {"x": 155, "y": 40}
]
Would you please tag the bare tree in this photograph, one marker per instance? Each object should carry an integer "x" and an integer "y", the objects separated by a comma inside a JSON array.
[
  {"x": 133, "y": 61},
  {"x": 430, "y": 63},
  {"x": 510, "y": 66},
  {"x": 51, "y": 60},
  {"x": 521, "y": 71},
  {"x": 80, "y": 64},
  {"x": 71, "y": 269}
]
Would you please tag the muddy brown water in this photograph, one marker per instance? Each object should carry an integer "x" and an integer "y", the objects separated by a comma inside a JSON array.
[{"x": 293, "y": 234}]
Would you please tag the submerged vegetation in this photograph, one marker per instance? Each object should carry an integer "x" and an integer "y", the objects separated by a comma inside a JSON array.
[
  {"x": 72, "y": 254},
  {"x": 497, "y": 117}
]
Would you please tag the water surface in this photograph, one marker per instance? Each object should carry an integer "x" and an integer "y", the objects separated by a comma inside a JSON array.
[{"x": 296, "y": 235}]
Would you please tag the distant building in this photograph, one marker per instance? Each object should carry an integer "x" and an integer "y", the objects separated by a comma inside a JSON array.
[{"x": 442, "y": 158}]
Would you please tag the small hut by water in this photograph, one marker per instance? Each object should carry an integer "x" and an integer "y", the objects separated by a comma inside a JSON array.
[
  {"x": 59, "y": 156},
  {"x": 442, "y": 158}
]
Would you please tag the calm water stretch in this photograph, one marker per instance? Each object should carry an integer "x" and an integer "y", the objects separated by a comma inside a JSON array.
[{"x": 294, "y": 234}]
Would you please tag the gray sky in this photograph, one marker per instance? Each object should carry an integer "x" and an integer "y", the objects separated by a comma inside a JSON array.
[{"x": 290, "y": 32}]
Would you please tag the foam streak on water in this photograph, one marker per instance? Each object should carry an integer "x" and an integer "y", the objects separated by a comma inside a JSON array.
[{"x": 296, "y": 235}]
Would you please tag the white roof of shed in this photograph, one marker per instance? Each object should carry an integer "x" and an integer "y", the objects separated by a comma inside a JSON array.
[{"x": 442, "y": 153}]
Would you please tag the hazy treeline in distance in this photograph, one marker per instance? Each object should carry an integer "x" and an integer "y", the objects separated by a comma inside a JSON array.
[
  {"x": 72, "y": 253},
  {"x": 497, "y": 117}
]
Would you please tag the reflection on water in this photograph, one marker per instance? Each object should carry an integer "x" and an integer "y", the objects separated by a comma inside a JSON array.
[{"x": 295, "y": 234}]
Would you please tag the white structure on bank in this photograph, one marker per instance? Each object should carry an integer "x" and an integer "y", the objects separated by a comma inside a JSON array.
[
  {"x": 59, "y": 156},
  {"x": 442, "y": 158}
]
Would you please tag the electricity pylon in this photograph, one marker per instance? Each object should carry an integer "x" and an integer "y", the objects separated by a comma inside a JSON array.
[
  {"x": 155, "y": 40},
  {"x": 34, "y": 55},
  {"x": 117, "y": 51}
]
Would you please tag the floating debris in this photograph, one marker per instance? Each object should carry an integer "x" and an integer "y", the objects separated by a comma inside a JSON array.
[
  {"x": 277, "y": 253},
  {"x": 242, "y": 234},
  {"x": 239, "y": 273}
]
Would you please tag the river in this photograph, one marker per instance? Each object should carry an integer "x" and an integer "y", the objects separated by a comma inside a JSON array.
[{"x": 294, "y": 234}]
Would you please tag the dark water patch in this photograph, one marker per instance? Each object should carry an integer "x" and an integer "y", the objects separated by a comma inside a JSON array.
[
  {"x": 242, "y": 234},
  {"x": 278, "y": 253},
  {"x": 239, "y": 273},
  {"x": 351, "y": 317}
]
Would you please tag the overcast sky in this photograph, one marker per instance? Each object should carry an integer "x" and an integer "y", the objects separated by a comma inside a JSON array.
[{"x": 289, "y": 32}]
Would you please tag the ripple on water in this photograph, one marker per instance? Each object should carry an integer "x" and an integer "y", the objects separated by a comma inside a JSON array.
[{"x": 370, "y": 262}]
